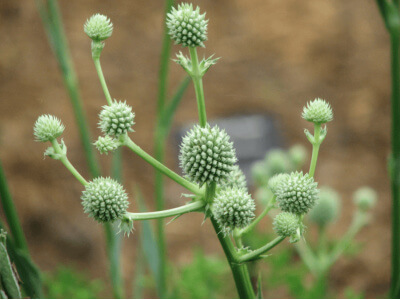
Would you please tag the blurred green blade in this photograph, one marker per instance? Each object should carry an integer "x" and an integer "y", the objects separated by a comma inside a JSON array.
[{"x": 7, "y": 277}]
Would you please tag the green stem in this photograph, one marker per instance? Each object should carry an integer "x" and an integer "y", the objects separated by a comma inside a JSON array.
[
  {"x": 316, "y": 144},
  {"x": 194, "y": 206},
  {"x": 322, "y": 241},
  {"x": 257, "y": 253},
  {"x": 253, "y": 224},
  {"x": 198, "y": 87},
  {"x": 160, "y": 167},
  {"x": 67, "y": 163},
  {"x": 103, "y": 83},
  {"x": 11, "y": 214},
  {"x": 395, "y": 174},
  {"x": 308, "y": 257},
  {"x": 239, "y": 271}
]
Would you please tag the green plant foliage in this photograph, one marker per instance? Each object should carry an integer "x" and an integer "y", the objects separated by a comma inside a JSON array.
[{"x": 69, "y": 283}]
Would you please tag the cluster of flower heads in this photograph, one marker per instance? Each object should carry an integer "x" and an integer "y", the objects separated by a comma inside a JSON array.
[
  {"x": 207, "y": 155},
  {"x": 187, "y": 26}
]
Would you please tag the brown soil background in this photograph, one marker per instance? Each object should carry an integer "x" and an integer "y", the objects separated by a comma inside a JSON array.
[{"x": 276, "y": 55}]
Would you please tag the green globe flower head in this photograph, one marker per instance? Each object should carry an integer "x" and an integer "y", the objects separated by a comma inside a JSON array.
[
  {"x": 365, "y": 198},
  {"x": 275, "y": 180},
  {"x": 298, "y": 155},
  {"x": 104, "y": 199},
  {"x": 318, "y": 111},
  {"x": 277, "y": 161},
  {"x": 98, "y": 27},
  {"x": 116, "y": 119},
  {"x": 187, "y": 26},
  {"x": 233, "y": 208},
  {"x": 286, "y": 224},
  {"x": 235, "y": 179},
  {"x": 106, "y": 144},
  {"x": 327, "y": 208},
  {"x": 207, "y": 155},
  {"x": 47, "y": 128},
  {"x": 297, "y": 193}
]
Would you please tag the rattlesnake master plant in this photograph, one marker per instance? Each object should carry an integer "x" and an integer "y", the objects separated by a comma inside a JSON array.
[
  {"x": 48, "y": 128},
  {"x": 98, "y": 27},
  {"x": 236, "y": 178},
  {"x": 286, "y": 224},
  {"x": 187, "y": 26},
  {"x": 233, "y": 208},
  {"x": 296, "y": 193},
  {"x": 106, "y": 144},
  {"x": 327, "y": 208},
  {"x": 207, "y": 155},
  {"x": 116, "y": 119},
  {"x": 318, "y": 111},
  {"x": 104, "y": 199}
]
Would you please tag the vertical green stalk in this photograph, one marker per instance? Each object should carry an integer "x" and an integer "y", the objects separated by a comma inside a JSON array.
[
  {"x": 11, "y": 214},
  {"x": 52, "y": 23},
  {"x": 315, "y": 150},
  {"x": 159, "y": 150},
  {"x": 395, "y": 174}
]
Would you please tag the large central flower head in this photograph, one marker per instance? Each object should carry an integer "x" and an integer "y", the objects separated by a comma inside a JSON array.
[
  {"x": 98, "y": 27},
  {"x": 187, "y": 26},
  {"x": 104, "y": 199},
  {"x": 47, "y": 128},
  {"x": 233, "y": 208},
  {"x": 296, "y": 193},
  {"x": 116, "y": 119},
  {"x": 207, "y": 155}
]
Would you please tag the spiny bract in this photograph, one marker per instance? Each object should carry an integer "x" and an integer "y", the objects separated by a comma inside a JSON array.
[
  {"x": 106, "y": 144},
  {"x": 116, "y": 119},
  {"x": 233, "y": 208},
  {"x": 286, "y": 224},
  {"x": 327, "y": 208},
  {"x": 104, "y": 199},
  {"x": 297, "y": 193},
  {"x": 236, "y": 178},
  {"x": 365, "y": 198},
  {"x": 47, "y": 128},
  {"x": 187, "y": 26},
  {"x": 275, "y": 180},
  {"x": 207, "y": 155},
  {"x": 98, "y": 27},
  {"x": 318, "y": 111}
]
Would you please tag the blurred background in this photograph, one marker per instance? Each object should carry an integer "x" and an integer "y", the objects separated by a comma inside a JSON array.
[{"x": 275, "y": 56}]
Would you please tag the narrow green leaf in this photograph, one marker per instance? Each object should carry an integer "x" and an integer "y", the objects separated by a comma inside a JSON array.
[{"x": 7, "y": 277}]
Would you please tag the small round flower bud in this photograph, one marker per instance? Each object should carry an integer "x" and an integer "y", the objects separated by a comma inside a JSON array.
[
  {"x": 327, "y": 208},
  {"x": 318, "y": 111},
  {"x": 277, "y": 161},
  {"x": 98, "y": 27},
  {"x": 116, "y": 119},
  {"x": 298, "y": 155},
  {"x": 187, "y": 26},
  {"x": 207, "y": 155},
  {"x": 297, "y": 193},
  {"x": 365, "y": 198},
  {"x": 233, "y": 208},
  {"x": 47, "y": 128},
  {"x": 236, "y": 179},
  {"x": 286, "y": 224},
  {"x": 275, "y": 180},
  {"x": 106, "y": 144},
  {"x": 104, "y": 199}
]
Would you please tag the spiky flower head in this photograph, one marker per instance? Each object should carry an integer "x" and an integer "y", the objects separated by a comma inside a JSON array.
[
  {"x": 98, "y": 27},
  {"x": 318, "y": 111},
  {"x": 106, "y": 144},
  {"x": 277, "y": 161},
  {"x": 233, "y": 208},
  {"x": 104, "y": 199},
  {"x": 47, "y": 128},
  {"x": 365, "y": 198},
  {"x": 207, "y": 155},
  {"x": 187, "y": 26},
  {"x": 327, "y": 208},
  {"x": 286, "y": 224},
  {"x": 235, "y": 179},
  {"x": 116, "y": 119},
  {"x": 275, "y": 180},
  {"x": 297, "y": 193},
  {"x": 298, "y": 155}
]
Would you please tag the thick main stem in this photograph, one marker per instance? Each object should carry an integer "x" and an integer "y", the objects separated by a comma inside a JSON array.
[{"x": 395, "y": 164}]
